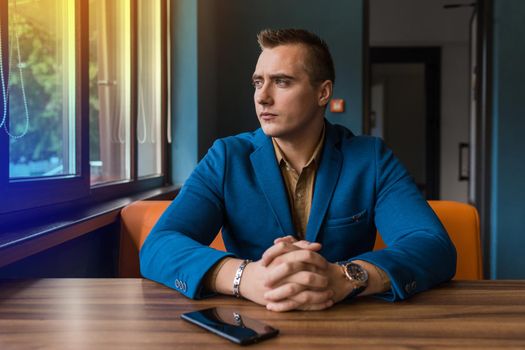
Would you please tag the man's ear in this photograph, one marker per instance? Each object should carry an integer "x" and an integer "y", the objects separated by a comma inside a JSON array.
[{"x": 325, "y": 92}]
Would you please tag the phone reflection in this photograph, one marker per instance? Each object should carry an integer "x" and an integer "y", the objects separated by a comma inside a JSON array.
[{"x": 229, "y": 322}]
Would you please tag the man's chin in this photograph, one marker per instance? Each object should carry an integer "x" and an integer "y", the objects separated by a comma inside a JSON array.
[{"x": 271, "y": 130}]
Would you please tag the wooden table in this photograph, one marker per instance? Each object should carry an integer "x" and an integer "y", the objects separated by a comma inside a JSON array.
[{"x": 140, "y": 314}]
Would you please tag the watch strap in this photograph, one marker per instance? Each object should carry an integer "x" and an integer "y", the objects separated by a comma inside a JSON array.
[{"x": 355, "y": 292}]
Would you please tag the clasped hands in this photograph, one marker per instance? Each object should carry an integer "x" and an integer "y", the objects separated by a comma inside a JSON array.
[{"x": 291, "y": 275}]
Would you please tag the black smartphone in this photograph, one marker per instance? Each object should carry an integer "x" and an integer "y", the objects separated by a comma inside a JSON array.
[{"x": 231, "y": 325}]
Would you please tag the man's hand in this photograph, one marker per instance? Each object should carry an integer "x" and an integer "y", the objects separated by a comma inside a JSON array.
[
  {"x": 254, "y": 283},
  {"x": 291, "y": 275},
  {"x": 299, "y": 278}
]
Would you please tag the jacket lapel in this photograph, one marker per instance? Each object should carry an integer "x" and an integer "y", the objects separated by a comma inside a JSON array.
[
  {"x": 271, "y": 182},
  {"x": 325, "y": 182}
]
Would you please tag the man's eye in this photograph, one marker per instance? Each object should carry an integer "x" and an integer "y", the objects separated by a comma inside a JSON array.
[
  {"x": 257, "y": 84},
  {"x": 282, "y": 82}
]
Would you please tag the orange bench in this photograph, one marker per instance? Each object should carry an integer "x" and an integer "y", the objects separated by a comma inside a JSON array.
[{"x": 461, "y": 221}]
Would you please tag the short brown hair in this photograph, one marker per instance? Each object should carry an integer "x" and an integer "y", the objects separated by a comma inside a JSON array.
[{"x": 319, "y": 65}]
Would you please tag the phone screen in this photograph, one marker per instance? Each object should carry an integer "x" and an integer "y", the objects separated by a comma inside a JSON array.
[{"x": 231, "y": 325}]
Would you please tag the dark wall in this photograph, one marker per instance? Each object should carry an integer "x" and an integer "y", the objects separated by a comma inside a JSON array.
[
  {"x": 508, "y": 156},
  {"x": 214, "y": 55},
  {"x": 339, "y": 22},
  {"x": 92, "y": 255},
  {"x": 184, "y": 92}
]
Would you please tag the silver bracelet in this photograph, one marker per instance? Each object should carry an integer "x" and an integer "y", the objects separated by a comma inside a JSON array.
[{"x": 237, "y": 279}]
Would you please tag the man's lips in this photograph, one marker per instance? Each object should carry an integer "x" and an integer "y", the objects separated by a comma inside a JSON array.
[{"x": 268, "y": 116}]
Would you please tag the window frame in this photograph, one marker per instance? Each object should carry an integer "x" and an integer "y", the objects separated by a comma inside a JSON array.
[{"x": 27, "y": 196}]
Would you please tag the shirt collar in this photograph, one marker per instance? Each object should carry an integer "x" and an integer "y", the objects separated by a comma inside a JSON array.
[{"x": 281, "y": 158}]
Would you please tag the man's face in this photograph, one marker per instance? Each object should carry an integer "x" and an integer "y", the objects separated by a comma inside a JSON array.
[{"x": 285, "y": 100}]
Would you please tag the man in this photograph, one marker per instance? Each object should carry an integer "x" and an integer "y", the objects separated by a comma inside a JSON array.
[{"x": 298, "y": 201}]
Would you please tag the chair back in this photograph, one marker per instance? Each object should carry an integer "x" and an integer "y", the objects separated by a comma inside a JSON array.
[
  {"x": 462, "y": 224},
  {"x": 137, "y": 220},
  {"x": 460, "y": 220}
]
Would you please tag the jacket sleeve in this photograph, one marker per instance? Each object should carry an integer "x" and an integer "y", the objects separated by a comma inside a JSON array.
[
  {"x": 419, "y": 253},
  {"x": 176, "y": 253}
]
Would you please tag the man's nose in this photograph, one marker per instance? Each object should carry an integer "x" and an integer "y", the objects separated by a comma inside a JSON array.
[{"x": 263, "y": 95}]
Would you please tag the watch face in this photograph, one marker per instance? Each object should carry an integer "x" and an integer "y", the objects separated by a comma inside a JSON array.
[{"x": 357, "y": 272}]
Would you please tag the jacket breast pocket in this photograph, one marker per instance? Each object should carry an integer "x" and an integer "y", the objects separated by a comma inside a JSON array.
[{"x": 348, "y": 220}]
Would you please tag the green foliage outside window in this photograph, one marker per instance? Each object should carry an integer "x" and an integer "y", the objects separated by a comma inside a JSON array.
[{"x": 42, "y": 79}]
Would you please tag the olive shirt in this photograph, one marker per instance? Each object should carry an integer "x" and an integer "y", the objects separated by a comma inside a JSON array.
[{"x": 300, "y": 186}]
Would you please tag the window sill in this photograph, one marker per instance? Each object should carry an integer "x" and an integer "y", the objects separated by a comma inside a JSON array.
[{"x": 23, "y": 237}]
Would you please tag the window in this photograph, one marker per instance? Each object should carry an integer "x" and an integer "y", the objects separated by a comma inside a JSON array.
[
  {"x": 149, "y": 88},
  {"x": 109, "y": 90},
  {"x": 83, "y": 99},
  {"x": 40, "y": 82}
]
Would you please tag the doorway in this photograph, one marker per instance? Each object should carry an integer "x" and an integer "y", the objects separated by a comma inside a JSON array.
[{"x": 405, "y": 109}]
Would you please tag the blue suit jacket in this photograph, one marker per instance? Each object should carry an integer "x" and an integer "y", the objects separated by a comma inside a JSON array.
[{"x": 360, "y": 185}]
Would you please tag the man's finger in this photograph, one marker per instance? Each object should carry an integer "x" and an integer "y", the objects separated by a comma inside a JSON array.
[
  {"x": 307, "y": 300},
  {"x": 287, "y": 239},
  {"x": 284, "y": 291},
  {"x": 312, "y": 297},
  {"x": 296, "y": 272},
  {"x": 303, "y": 244},
  {"x": 304, "y": 256},
  {"x": 313, "y": 246},
  {"x": 276, "y": 250},
  {"x": 283, "y": 306},
  {"x": 291, "y": 290},
  {"x": 282, "y": 248}
]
